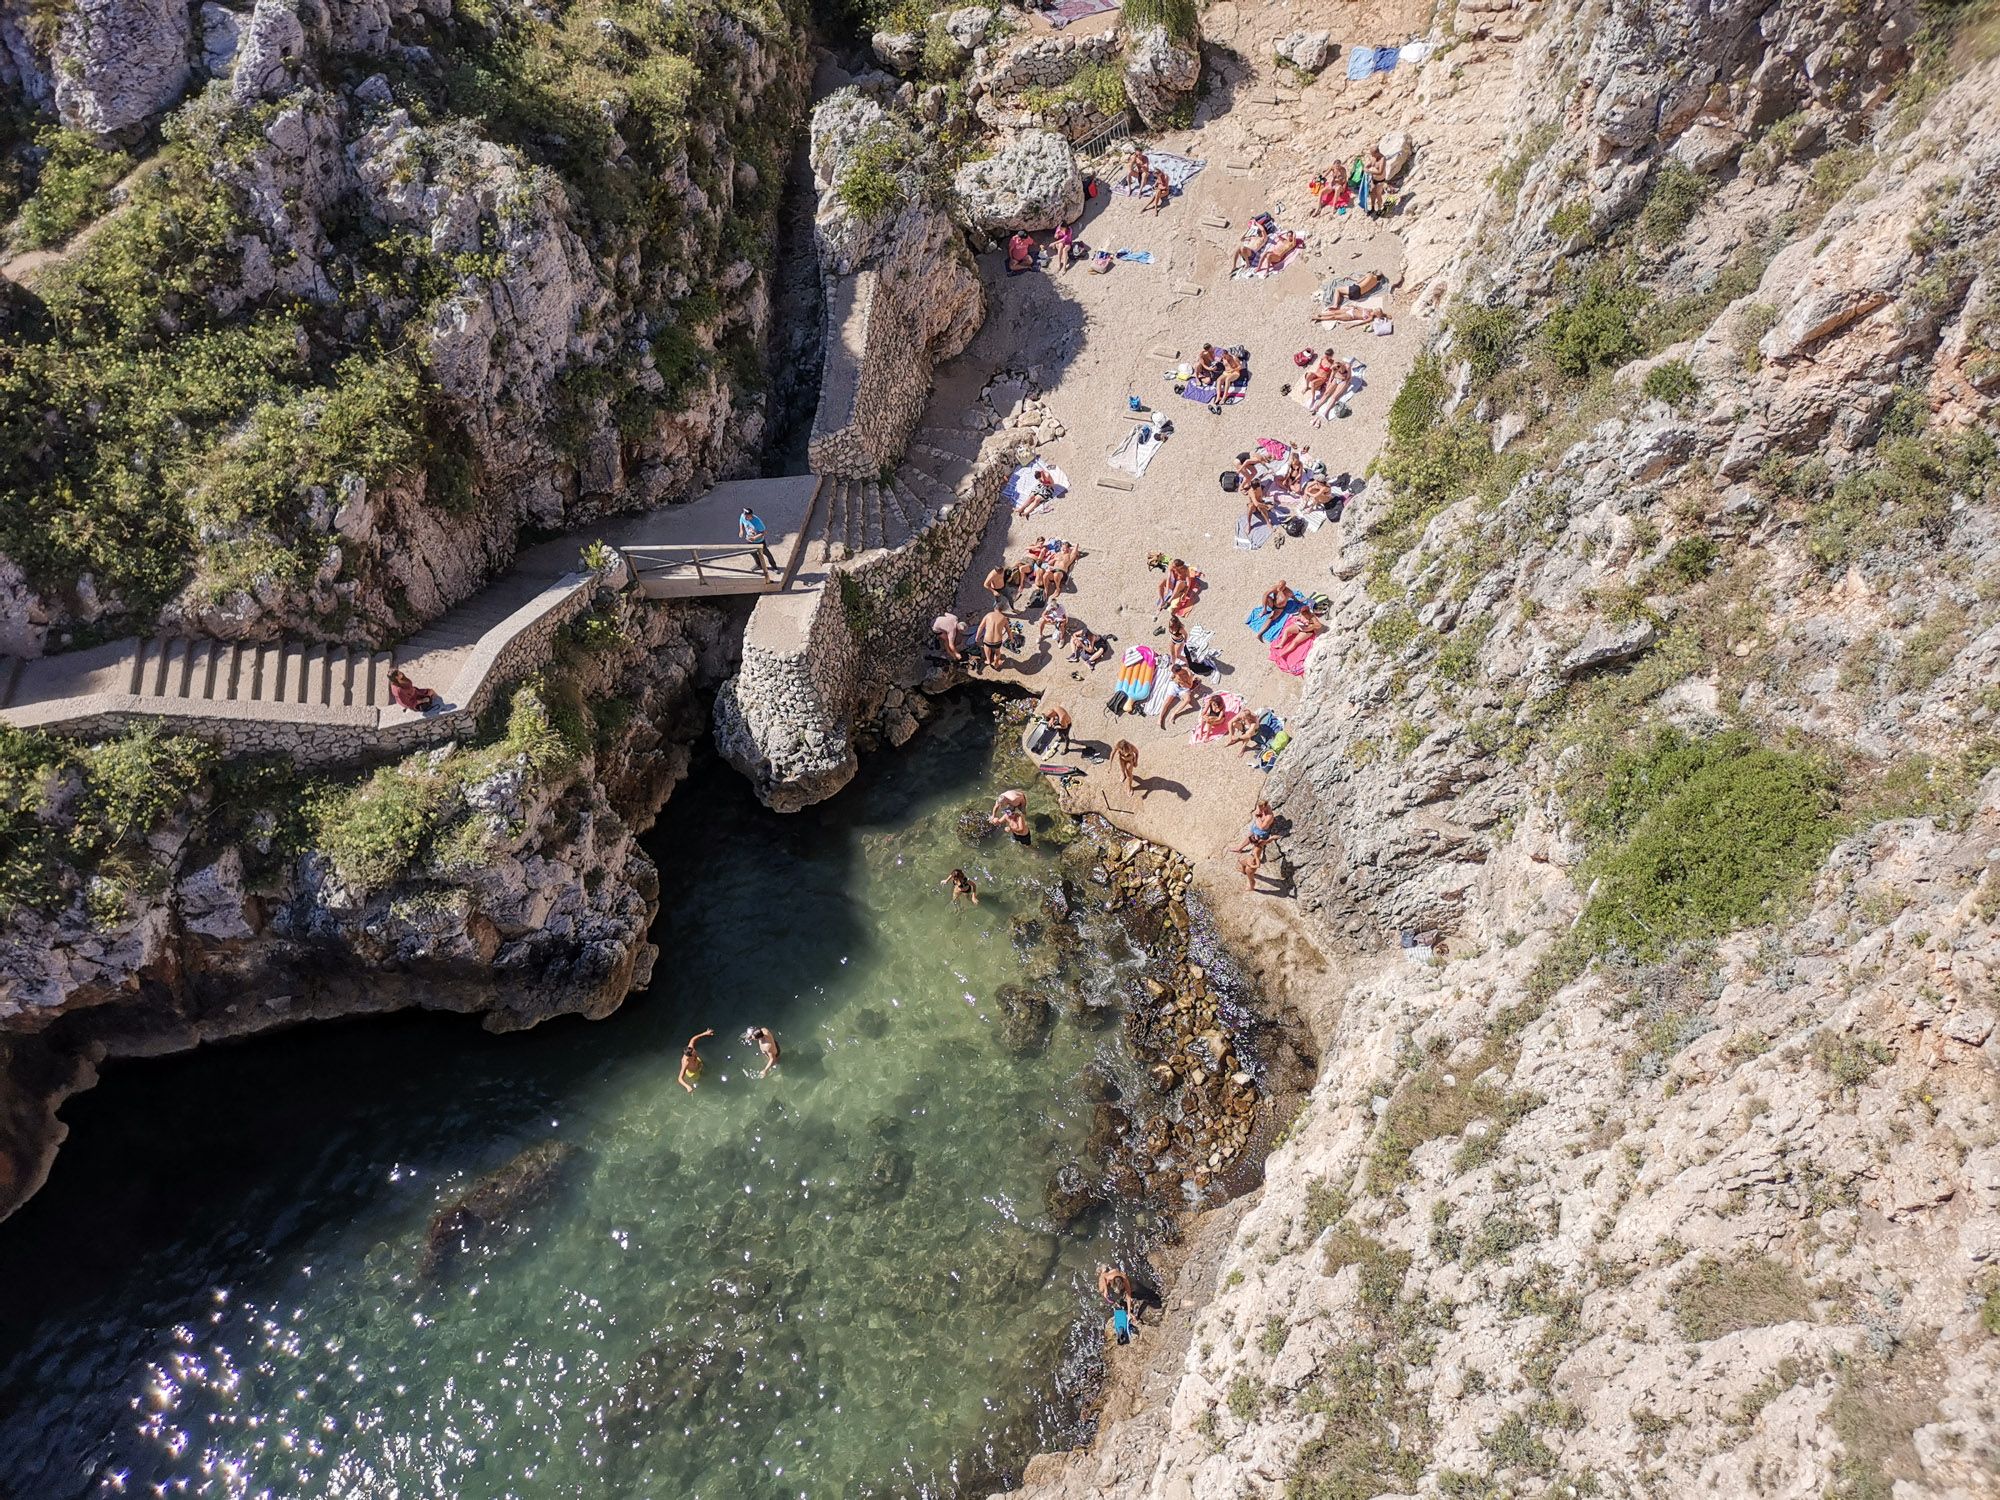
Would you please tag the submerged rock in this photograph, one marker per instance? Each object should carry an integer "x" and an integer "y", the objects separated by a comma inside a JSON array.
[
  {"x": 1024, "y": 1019},
  {"x": 493, "y": 1205}
]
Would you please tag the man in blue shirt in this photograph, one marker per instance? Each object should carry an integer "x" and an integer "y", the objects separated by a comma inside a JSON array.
[{"x": 750, "y": 527}]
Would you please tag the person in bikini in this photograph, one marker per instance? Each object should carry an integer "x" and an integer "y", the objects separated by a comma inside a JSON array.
[
  {"x": 1214, "y": 714},
  {"x": 1163, "y": 189},
  {"x": 1263, "y": 828},
  {"x": 691, "y": 1064},
  {"x": 762, "y": 1039},
  {"x": 1243, "y": 731},
  {"x": 1125, "y": 755},
  {"x": 960, "y": 884},
  {"x": 1234, "y": 373},
  {"x": 1257, "y": 507}
]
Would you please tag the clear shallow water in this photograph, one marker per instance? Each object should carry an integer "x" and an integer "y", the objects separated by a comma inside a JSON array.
[{"x": 839, "y": 1280}]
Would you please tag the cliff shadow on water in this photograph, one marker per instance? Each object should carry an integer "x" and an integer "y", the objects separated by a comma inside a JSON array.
[{"x": 533, "y": 1264}]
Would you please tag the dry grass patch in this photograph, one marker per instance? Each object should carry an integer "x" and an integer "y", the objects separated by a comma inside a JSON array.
[{"x": 1721, "y": 1297}]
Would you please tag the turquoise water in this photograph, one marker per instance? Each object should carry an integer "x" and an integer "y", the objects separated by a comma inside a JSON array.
[{"x": 838, "y": 1280}]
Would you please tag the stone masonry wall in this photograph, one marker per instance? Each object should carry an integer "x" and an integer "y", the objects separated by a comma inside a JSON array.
[
  {"x": 786, "y": 719},
  {"x": 875, "y": 379}
]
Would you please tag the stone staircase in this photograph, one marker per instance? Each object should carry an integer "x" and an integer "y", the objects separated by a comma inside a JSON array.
[{"x": 867, "y": 515}]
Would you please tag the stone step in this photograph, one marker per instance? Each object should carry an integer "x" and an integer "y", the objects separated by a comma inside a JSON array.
[
  {"x": 908, "y": 506},
  {"x": 264, "y": 673},
  {"x": 895, "y": 531},
  {"x": 933, "y": 496},
  {"x": 871, "y": 514},
  {"x": 949, "y": 469},
  {"x": 955, "y": 437},
  {"x": 828, "y": 524}
]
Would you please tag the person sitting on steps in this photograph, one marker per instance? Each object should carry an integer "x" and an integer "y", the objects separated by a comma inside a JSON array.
[{"x": 408, "y": 695}]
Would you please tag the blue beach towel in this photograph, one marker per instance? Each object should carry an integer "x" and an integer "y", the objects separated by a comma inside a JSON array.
[
  {"x": 1266, "y": 624},
  {"x": 1385, "y": 59},
  {"x": 1121, "y": 1321},
  {"x": 1360, "y": 63}
]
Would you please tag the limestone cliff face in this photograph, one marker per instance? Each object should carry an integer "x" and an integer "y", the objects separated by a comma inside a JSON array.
[
  {"x": 501, "y": 878},
  {"x": 1628, "y": 1172},
  {"x": 559, "y": 287}
]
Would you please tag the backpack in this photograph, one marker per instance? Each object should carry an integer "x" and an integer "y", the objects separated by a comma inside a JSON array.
[{"x": 1230, "y": 480}]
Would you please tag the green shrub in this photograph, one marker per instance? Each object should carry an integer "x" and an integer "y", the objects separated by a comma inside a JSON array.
[
  {"x": 1393, "y": 629},
  {"x": 1687, "y": 562},
  {"x": 1382, "y": 1269},
  {"x": 1484, "y": 336},
  {"x": 1672, "y": 200},
  {"x": 1673, "y": 382},
  {"x": 72, "y": 188},
  {"x": 870, "y": 185},
  {"x": 1595, "y": 327},
  {"x": 114, "y": 793},
  {"x": 1906, "y": 495},
  {"x": 1510, "y": 174},
  {"x": 1571, "y": 220},
  {"x": 1458, "y": 658},
  {"x": 1430, "y": 461},
  {"x": 1723, "y": 833}
]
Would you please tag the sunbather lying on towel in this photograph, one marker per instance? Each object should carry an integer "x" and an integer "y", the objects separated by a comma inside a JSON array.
[
  {"x": 1275, "y": 253},
  {"x": 1252, "y": 246},
  {"x": 1329, "y": 379},
  {"x": 1351, "y": 289}
]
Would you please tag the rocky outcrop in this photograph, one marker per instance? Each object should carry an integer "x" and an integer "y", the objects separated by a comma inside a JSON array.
[
  {"x": 118, "y": 63},
  {"x": 1032, "y": 182},
  {"x": 1569, "y": 1207},
  {"x": 570, "y": 359},
  {"x": 1160, "y": 74},
  {"x": 902, "y": 294},
  {"x": 525, "y": 896}
]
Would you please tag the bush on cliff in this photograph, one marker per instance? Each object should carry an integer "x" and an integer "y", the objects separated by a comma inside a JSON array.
[
  {"x": 1694, "y": 839},
  {"x": 70, "y": 810},
  {"x": 72, "y": 187}
]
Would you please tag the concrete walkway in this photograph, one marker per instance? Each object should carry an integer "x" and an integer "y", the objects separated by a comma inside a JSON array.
[{"x": 332, "y": 686}]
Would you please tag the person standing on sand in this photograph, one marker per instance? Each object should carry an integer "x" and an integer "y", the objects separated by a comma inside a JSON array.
[
  {"x": 993, "y": 631},
  {"x": 1250, "y": 864},
  {"x": 761, "y": 1038},
  {"x": 996, "y": 585},
  {"x": 1125, "y": 755},
  {"x": 1262, "y": 829},
  {"x": 691, "y": 1063}
]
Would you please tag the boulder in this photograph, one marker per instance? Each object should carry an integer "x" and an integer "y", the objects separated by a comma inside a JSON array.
[
  {"x": 968, "y": 26},
  {"x": 272, "y": 45},
  {"x": 1396, "y": 150},
  {"x": 898, "y": 51},
  {"x": 1308, "y": 51},
  {"x": 1160, "y": 74},
  {"x": 118, "y": 63},
  {"x": 221, "y": 33},
  {"x": 1032, "y": 182},
  {"x": 1606, "y": 645}
]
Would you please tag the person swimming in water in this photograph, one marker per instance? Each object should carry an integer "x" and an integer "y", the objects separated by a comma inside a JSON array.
[
  {"x": 766, "y": 1043},
  {"x": 691, "y": 1063},
  {"x": 961, "y": 884}
]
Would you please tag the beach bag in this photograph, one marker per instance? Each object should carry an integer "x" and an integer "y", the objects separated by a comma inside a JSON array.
[
  {"x": 1239, "y": 351},
  {"x": 1295, "y": 526},
  {"x": 1303, "y": 358},
  {"x": 1115, "y": 703},
  {"x": 1229, "y": 479},
  {"x": 1264, "y": 221},
  {"x": 1090, "y": 187}
]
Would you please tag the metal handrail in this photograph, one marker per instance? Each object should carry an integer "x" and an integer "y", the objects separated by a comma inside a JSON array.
[{"x": 648, "y": 558}]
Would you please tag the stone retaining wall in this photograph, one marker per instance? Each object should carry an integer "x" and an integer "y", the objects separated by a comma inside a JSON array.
[
  {"x": 786, "y": 719},
  {"x": 875, "y": 379},
  {"x": 327, "y": 736}
]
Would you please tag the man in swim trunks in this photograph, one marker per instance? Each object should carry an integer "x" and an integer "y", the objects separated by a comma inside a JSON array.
[
  {"x": 993, "y": 632},
  {"x": 766, "y": 1043},
  {"x": 1252, "y": 246},
  {"x": 691, "y": 1064},
  {"x": 1115, "y": 1287}
]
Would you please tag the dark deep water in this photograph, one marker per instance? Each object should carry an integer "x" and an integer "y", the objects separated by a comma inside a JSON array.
[{"x": 839, "y": 1280}]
